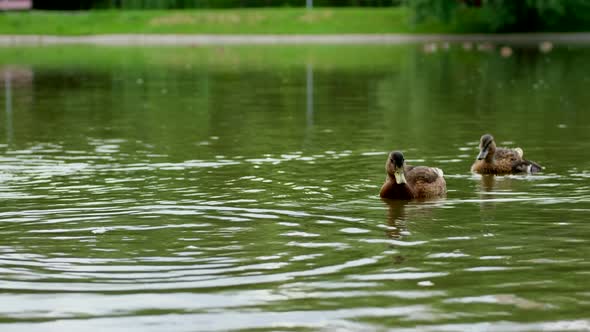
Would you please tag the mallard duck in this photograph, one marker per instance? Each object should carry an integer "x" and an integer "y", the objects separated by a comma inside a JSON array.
[
  {"x": 409, "y": 182},
  {"x": 494, "y": 160}
]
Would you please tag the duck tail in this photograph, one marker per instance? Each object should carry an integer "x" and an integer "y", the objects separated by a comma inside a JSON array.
[
  {"x": 439, "y": 171},
  {"x": 526, "y": 166},
  {"x": 534, "y": 167}
]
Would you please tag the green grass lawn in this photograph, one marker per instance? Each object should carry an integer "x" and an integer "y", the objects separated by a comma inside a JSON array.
[{"x": 229, "y": 21}]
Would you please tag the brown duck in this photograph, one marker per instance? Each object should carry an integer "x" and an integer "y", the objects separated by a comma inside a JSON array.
[
  {"x": 409, "y": 182},
  {"x": 494, "y": 160}
]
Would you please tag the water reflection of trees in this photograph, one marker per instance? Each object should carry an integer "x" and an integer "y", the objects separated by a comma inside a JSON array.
[
  {"x": 11, "y": 77},
  {"x": 413, "y": 99}
]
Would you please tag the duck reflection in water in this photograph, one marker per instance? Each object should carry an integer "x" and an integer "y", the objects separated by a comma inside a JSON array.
[
  {"x": 491, "y": 185},
  {"x": 396, "y": 218},
  {"x": 487, "y": 184},
  {"x": 486, "y": 191},
  {"x": 400, "y": 213},
  {"x": 491, "y": 189}
]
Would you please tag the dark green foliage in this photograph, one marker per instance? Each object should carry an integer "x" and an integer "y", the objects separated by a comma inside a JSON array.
[
  {"x": 508, "y": 15},
  {"x": 64, "y": 4},
  {"x": 179, "y": 4},
  {"x": 442, "y": 9}
]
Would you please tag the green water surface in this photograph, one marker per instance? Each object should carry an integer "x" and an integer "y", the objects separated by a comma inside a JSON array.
[{"x": 236, "y": 188}]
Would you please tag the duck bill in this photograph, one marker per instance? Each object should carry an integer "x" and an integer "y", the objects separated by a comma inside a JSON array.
[
  {"x": 482, "y": 154},
  {"x": 400, "y": 178}
]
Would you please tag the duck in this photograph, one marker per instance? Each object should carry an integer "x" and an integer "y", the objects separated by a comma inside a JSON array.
[
  {"x": 405, "y": 182},
  {"x": 495, "y": 160}
]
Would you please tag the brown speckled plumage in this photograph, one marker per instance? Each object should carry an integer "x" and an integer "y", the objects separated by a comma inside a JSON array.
[
  {"x": 420, "y": 181},
  {"x": 494, "y": 160}
]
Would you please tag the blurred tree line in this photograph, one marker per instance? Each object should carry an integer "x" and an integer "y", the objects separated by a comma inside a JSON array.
[
  {"x": 469, "y": 15},
  {"x": 181, "y": 4},
  {"x": 508, "y": 15}
]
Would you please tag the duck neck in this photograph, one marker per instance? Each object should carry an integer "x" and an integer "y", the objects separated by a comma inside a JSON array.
[{"x": 491, "y": 153}]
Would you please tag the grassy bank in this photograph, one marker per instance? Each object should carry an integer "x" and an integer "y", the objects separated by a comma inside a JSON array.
[{"x": 234, "y": 21}]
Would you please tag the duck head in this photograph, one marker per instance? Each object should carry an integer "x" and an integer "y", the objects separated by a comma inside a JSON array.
[
  {"x": 487, "y": 147},
  {"x": 395, "y": 166}
]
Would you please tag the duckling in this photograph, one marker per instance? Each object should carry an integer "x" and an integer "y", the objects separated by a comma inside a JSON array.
[
  {"x": 494, "y": 160},
  {"x": 409, "y": 182}
]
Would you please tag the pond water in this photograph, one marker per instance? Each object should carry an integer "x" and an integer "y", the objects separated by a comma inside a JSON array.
[{"x": 183, "y": 189}]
